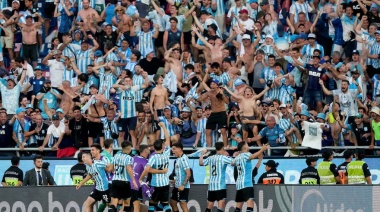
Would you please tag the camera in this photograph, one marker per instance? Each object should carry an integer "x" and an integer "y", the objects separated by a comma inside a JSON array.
[
  {"x": 180, "y": 123},
  {"x": 269, "y": 83}
]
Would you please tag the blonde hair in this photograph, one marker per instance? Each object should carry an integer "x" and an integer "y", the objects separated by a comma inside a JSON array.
[{"x": 119, "y": 8}]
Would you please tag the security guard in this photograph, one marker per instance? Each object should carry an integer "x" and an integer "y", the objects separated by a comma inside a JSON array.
[
  {"x": 272, "y": 176},
  {"x": 309, "y": 176},
  {"x": 358, "y": 171},
  {"x": 13, "y": 176},
  {"x": 78, "y": 172},
  {"x": 327, "y": 170},
  {"x": 342, "y": 167}
]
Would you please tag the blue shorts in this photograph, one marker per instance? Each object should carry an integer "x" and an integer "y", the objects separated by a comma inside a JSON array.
[
  {"x": 127, "y": 124},
  {"x": 312, "y": 96}
]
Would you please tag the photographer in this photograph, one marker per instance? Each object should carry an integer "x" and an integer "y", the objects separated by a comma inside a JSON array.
[
  {"x": 187, "y": 128},
  {"x": 218, "y": 117}
]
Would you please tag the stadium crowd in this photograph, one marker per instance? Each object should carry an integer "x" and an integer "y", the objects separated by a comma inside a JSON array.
[{"x": 78, "y": 73}]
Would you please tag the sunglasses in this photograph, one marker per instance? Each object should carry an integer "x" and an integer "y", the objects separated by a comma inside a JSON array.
[{"x": 119, "y": 10}]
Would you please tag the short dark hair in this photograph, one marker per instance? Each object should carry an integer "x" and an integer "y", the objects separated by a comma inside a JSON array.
[
  {"x": 37, "y": 157},
  {"x": 240, "y": 145},
  {"x": 219, "y": 146},
  {"x": 189, "y": 66},
  {"x": 108, "y": 143},
  {"x": 173, "y": 19},
  {"x": 215, "y": 65},
  {"x": 125, "y": 144},
  {"x": 178, "y": 145},
  {"x": 79, "y": 157},
  {"x": 76, "y": 108},
  {"x": 19, "y": 59},
  {"x": 346, "y": 81},
  {"x": 83, "y": 77},
  {"x": 15, "y": 160},
  {"x": 158, "y": 145},
  {"x": 137, "y": 53},
  {"x": 97, "y": 146},
  {"x": 277, "y": 65},
  {"x": 271, "y": 56},
  {"x": 142, "y": 147}
]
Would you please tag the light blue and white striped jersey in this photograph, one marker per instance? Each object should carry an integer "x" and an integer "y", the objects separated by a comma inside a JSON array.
[
  {"x": 244, "y": 167},
  {"x": 224, "y": 78},
  {"x": 70, "y": 50},
  {"x": 157, "y": 19},
  {"x": 138, "y": 79},
  {"x": 160, "y": 162},
  {"x": 106, "y": 80},
  {"x": 286, "y": 125},
  {"x": 70, "y": 76},
  {"x": 131, "y": 66},
  {"x": 181, "y": 20},
  {"x": 375, "y": 50},
  {"x": 92, "y": 79},
  {"x": 208, "y": 9},
  {"x": 201, "y": 128},
  {"x": 182, "y": 164},
  {"x": 270, "y": 29},
  {"x": 235, "y": 10},
  {"x": 376, "y": 86},
  {"x": 145, "y": 41},
  {"x": 296, "y": 8},
  {"x": 170, "y": 127},
  {"x": 120, "y": 162},
  {"x": 268, "y": 74},
  {"x": 127, "y": 101},
  {"x": 127, "y": 52},
  {"x": 110, "y": 127},
  {"x": 83, "y": 60},
  {"x": 218, "y": 165},
  {"x": 276, "y": 91},
  {"x": 220, "y": 8},
  {"x": 20, "y": 130},
  {"x": 308, "y": 51},
  {"x": 98, "y": 173},
  {"x": 286, "y": 94},
  {"x": 215, "y": 135},
  {"x": 268, "y": 50},
  {"x": 3, "y": 4},
  {"x": 51, "y": 100}
]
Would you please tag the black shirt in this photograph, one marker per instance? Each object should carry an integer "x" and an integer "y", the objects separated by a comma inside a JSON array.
[
  {"x": 78, "y": 170},
  {"x": 79, "y": 132},
  {"x": 12, "y": 176},
  {"x": 103, "y": 38},
  {"x": 151, "y": 66},
  {"x": 40, "y": 136},
  {"x": 271, "y": 177},
  {"x": 359, "y": 132},
  {"x": 6, "y": 135},
  {"x": 309, "y": 172}
]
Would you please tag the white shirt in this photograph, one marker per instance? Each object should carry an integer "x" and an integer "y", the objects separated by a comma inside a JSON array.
[
  {"x": 347, "y": 101},
  {"x": 29, "y": 74},
  {"x": 56, "y": 72},
  {"x": 56, "y": 131}
]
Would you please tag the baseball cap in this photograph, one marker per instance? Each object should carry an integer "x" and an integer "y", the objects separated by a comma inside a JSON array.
[
  {"x": 37, "y": 68},
  {"x": 233, "y": 104},
  {"x": 304, "y": 106},
  {"x": 267, "y": 101},
  {"x": 19, "y": 110},
  {"x": 321, "y": 116},
  {"x": 311, "y": 35},
  {"x": 317, "y": 56},
  {"x": 214, "y": 80},
  {"x": 59, "y": 110},
  {"x": 156, "y": 77},
  {"x": 98, "y": 53},
  {"x": 238, "y": 82},
  {"x": 310, "y": 160},
  {"x": 283, "y": 106},
  {"x": 198, "y": 107},
  {"x": 28, "y": 106},
  {"x": 167, "y": 107},
  {"x": 269, "y": 36},
  {"x": 233, "y": 126},
  {"x": 94, "y": 86},
  {"x": 355, "y": 52},
  {"x": 347, "y": 154},
  {"x": 252, "y": 1},
  {"x": 15, "y": 1},
  {"x": 377, "y": 32},
  {"x": 160, "y": 71},
  {"x": 246, "y": 36},
  {"x": 186, "y": 109},
  {"x": 11, "y": 77},
  {"x": 55, "y": 117},
  {"x": 375, "y": 110},
  {"x": 305, "y": 113},
  {"x": 271, "y": 163},
  {"x": 339, "y": 65},
  {"x": 293, "y": 38},
  {"x": 264, "y": 2},
  {"x": 47, "y": 81},
  {"x": 359, "y": 116},
  {"x": 243, "y": 11},
  {"x": 302, "y": 36}
]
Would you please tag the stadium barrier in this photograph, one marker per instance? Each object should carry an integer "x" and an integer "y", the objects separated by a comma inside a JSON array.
[
  {"x": 279, "y": 198},
  {"x": 289, "y": 167}
]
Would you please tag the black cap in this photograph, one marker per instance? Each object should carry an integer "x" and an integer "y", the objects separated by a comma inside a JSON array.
[
  {"x": 47, "y": 81},
  {"x": 208, "y": 107},
  {"x": 347, "y": 154},
  {"x": 94, "y": 86},
  {"x": 204, "y": 12},
  {"x": 271, "y": 163},
  {"x": 55, "y": 117},
  {"x": 327, "y": 153},
  {"x": 310, "y": 160}
]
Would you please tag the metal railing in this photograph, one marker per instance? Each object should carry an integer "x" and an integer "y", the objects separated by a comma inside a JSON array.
[{"x": 190, "y": 150}]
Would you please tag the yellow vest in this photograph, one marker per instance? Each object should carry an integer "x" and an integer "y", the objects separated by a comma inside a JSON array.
[
  {"x": 355, "y": 172},
  {"x": 326, "y": 176}
]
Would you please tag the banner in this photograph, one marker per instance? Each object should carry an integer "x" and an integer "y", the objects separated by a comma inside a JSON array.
[
  {"x": 290, "y": 167},
  {"x": 289, "y": 198}
]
